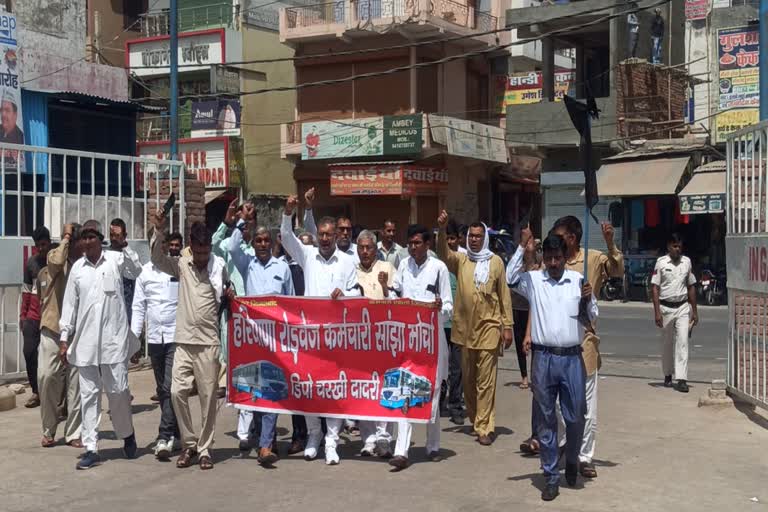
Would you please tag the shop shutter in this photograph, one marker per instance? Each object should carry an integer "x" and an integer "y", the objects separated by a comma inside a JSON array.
[{"x": 560, "y": 201}]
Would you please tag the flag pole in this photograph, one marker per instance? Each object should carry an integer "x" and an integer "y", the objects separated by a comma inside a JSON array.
[{"x": 585, "y": 238}]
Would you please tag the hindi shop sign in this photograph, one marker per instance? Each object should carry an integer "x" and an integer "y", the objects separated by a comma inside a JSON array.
[
  {"x": 207, "y": 158},
  {"x": 739, "y": 78},
  {"x": 747, "y": 263},
  {"x": 351, "y": 358},
  {"x": 696, "y": 9},
  {"x": 372, "y": 136},
  {"x": 197, "y": 51},
  {"x": 386, "y": 180},
  {"x": 12, "y": 126}
]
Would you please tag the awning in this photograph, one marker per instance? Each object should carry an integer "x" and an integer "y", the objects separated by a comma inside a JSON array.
[
  {"x": 705, "y": 193},
  {"x": 210, "y": 195},
  {"x": 656, "y": 177}
]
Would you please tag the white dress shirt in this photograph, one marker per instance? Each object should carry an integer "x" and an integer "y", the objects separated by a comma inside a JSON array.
[
  {"x": 554, "y": 306},
  {"x": 321, "y": 276},
  {"x": 425, "y": 283},
  {"x": 94, "y": 319},
  {"x": 673, "y": 279},
  {"x": 155, "y": 298}
]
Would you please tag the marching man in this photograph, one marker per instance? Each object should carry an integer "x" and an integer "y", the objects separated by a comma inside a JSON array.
[{"x": 674, "y": 305}]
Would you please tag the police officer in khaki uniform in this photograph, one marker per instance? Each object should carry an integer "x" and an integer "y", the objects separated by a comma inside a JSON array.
[{"x": 674, "y": 304}]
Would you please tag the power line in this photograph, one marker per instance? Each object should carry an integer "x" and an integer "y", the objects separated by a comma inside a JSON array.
[{"x": 443, "y": 60}]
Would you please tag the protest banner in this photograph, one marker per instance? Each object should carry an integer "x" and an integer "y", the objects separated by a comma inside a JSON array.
[{"x": 349, "y": 358}]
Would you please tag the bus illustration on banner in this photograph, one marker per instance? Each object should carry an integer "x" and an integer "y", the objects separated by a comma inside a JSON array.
[
  {"x": 261, "y": 379},
  {"x": 404, "y": 389}
]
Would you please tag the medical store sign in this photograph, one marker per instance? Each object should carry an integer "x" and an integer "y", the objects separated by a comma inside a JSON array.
[
  {"x": 207, "y": 159},
  {"x": 197, "y": 51}
]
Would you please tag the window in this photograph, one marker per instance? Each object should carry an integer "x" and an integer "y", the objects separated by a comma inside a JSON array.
[{"x": 132, "y": 9}]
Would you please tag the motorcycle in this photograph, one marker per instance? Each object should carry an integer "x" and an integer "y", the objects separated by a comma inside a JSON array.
[
  {"x": 712, "y": 289},
  {"x": 613, "y": 289}
]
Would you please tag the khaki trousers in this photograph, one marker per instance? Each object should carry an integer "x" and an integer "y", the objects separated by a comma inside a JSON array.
[
  {"x": 53, "y": 379},
  {"x": 196, "y": 365},
  {"x": 478, "y": 371}
]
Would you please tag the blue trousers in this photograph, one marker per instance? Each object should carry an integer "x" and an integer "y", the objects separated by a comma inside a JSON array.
[{"x": 562, "y": 377}]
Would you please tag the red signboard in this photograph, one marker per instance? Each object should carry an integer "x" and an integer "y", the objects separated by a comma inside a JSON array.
[
  {"x": 386, "y": 180},
  {"x": 696, "y": 9},
  {"x": 349, "y": 358}
]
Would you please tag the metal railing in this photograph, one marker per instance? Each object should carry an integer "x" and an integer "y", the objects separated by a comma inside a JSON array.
[
  {"x": 376, "y": 9},
  {"x": 450, "y": 11},
  {"x": 485, "y": 21},
  {"x": 51, "y": 187},
  {"x": 318, "y": 14},
  {"x": 747, "y": 244},
  {"x": 190, "y": 18}
]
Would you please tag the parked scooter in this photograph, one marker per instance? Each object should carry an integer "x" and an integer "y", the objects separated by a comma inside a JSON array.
[{"x": 613, "y": 289}]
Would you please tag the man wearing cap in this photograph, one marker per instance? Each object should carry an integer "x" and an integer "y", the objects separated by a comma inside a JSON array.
[
  {"x": 9, "y": 115},
  {"x": 96, "y": 339}
]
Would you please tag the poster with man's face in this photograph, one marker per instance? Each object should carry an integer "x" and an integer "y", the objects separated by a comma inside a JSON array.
[{"x": 11, "y": 121}]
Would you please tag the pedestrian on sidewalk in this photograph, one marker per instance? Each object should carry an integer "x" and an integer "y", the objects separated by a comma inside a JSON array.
[
  {"x": 453, "y": 390},
  {"x": 55, "y": 377},
  {"x": 674, "y": 305},
  {"x": 155, "y": 299},
  {"x": 203, "y": 284},
  {"x": 30, "y": 310},
  {"x": 562, "y": 306},
  {"x": 95, "y": 337},
  {"x": 424, "y": 278},
  {"x": 264, "y": 275},
  {"x": 482, "y": 321},
  {"x": 328, "y": 272},
  {"x": 375, "y": 278}
]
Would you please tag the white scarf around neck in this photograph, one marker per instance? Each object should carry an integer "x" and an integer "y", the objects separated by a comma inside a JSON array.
[{"x": 482, "y": 259}]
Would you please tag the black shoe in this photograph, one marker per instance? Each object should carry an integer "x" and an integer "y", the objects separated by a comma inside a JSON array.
[
  {"x": 399, "y": 462},
  {"x": 682, "y": 386},
  {"x": 550, "y": 492},
  {"x": 245, "y": 448},
  {"x": 88, "y": 460},
  {"x": 667, "y": 381},
  {"x": 571, "y": 471},
  {"x": 445, "y": 413},
  {"x": 129, "y": 447},
  {"x": 457, "y": 419}
]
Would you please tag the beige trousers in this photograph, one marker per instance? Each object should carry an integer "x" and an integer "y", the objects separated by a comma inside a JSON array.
[
  {"x": 478, "y": 371},
  {"x": 53, "y": 379},
  {"x": 196, "y": 365}
]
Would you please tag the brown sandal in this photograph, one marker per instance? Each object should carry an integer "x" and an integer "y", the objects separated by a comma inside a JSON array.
[
  {"x": 206, "y": 462},
  {"x": 185, "y": 459},
  {"x": 588, "y": 470}
]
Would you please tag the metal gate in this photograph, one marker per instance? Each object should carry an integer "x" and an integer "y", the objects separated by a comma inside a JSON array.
[
  {"x": 52, "y": 187},
  {"x": 747, "y": 255}
]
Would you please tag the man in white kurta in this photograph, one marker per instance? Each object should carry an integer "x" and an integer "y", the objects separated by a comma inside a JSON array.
[
  {"x": 96, "y": 339},
  {"x": 424, "y": 278}
]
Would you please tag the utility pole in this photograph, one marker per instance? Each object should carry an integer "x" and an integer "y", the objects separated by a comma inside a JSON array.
[
  {"x": 763, "y": 61},
  {"x": 174, "y": 49}
]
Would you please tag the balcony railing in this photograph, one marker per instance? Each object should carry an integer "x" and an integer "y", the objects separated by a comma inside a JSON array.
[
  {"x": 156, "y": 128},
  {"x": 451, "y": 11},
  {"x": 318, "y": 14},
  {"x": 190, "y": 18}
]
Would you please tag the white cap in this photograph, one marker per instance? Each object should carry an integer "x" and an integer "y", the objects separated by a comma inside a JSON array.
[{"x": 9, "y": 95}]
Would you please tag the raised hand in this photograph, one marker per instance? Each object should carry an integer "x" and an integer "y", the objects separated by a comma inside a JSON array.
[
  {"x": 608, "y": 233},
  {"x": 442, "y": 219},
  {"x": 231, "y": 216},
  {"x": 309, "y": 198},
  {"x": 290, "y": 204}
]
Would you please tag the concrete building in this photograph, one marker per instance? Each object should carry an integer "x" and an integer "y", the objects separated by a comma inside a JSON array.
[{"x": 406, "y": 143}]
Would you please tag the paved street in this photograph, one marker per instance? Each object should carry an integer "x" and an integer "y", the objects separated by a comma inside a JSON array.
[{"x": 656, "y": 451}]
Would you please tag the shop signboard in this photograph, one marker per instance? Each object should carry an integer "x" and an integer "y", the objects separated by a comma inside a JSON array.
[
  {"x": 12, "y": 126},
  {"x": 526, "y": 87},
  {"x": 747, "y": 263},
  {"x": 704, "y": 203},
  {"x": 387, "y": 180},
  {"x": 373, "y": 136},
  {"x": 216, "y": 118},
  {"x": 225, "y": 80},
  {"x": 197, "y": 51},
  {"x": 207, "y": 158},
  {"x": 738, "y": 79},
  {"x": 473, "y": 140},
  {"x": 696, "y": 9}
]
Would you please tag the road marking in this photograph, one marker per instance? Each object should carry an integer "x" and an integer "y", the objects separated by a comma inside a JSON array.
[
  {"x": 608, "y": 353},
  {"x": 721, "y": 359},
  {"x": 698, "y": 346},
  {"x": 653, "y": 355}
]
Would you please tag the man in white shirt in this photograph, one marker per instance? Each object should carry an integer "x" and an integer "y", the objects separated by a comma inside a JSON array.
[
  {"x": 96, "y": 339},
  {"x": 327, "y": 272},
  {"x": 375, "y": 278},
  {"x": 263, "y": 275},
  {"x": 389, "y": 250},
  {"x": 674, "y": 305},
  {"x": 343, "y": 227},
  {"x": 155, "y": 299},
  {"x": 560, "y": 307},
  {"x": 424, "y": 278}
]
